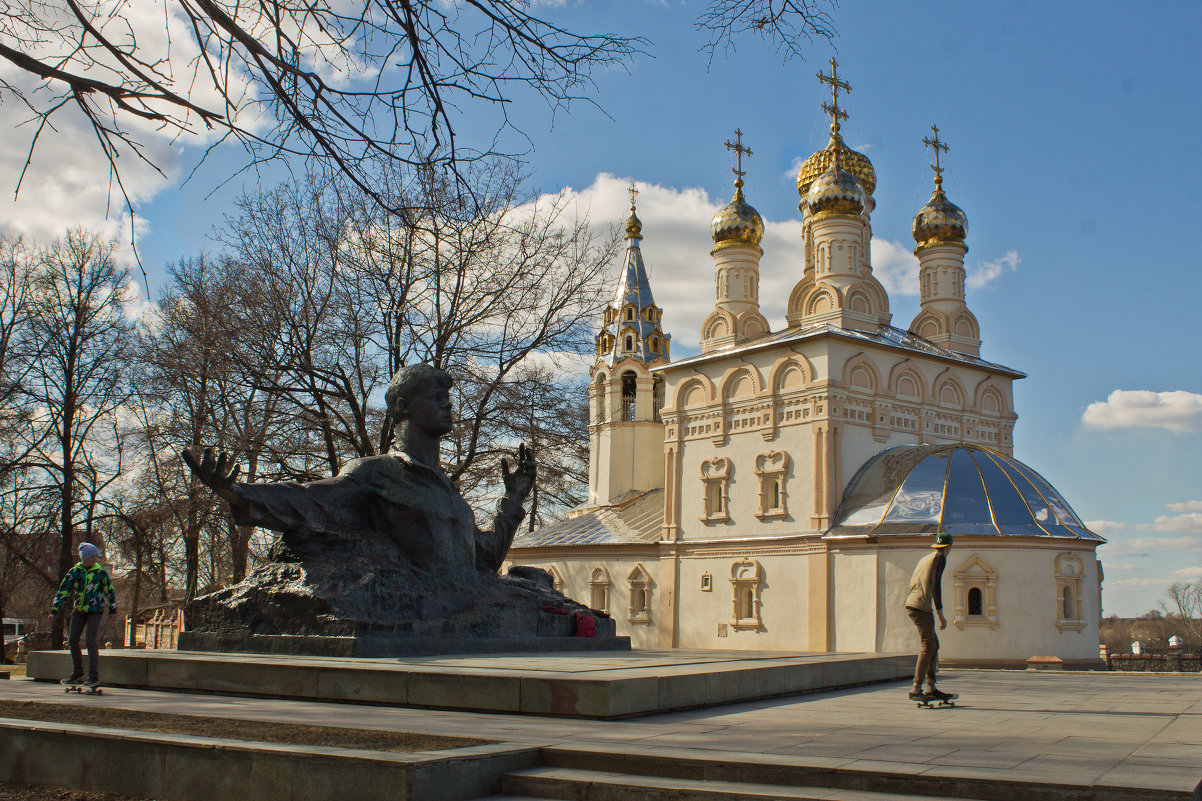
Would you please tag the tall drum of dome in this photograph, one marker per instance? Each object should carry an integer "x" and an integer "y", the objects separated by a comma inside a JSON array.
[
  {"x": 737, "y": 230},
  {"x": 837, "y": 285},
  {"x": 940, "y": 228}
]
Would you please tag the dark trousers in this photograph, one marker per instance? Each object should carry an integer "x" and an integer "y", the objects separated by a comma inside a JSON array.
[
  {"x": 928, "y": 656},
  {"x": 81, "y": 622}
]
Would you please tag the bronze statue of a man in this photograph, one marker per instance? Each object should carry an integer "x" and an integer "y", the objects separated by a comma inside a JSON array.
[{"x": 389, "y": 538}]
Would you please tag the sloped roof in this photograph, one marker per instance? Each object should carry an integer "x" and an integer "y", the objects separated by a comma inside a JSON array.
[{"x": 633, "y": 518}]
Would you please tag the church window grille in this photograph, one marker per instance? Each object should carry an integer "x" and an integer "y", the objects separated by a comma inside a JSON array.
[
  {"x": 640, "y": 595},
  {"x": 657, "y": 397},
  {"x": 715, "y": 480},
  {"x": 1069, "y": 575},
  {"x": 599, "y": 589},
  {"x": 975, "y": 582},
  {"x": 746, "y": 578},
  {"x": 629, "y": 395},
  {"x": 975, "y": 607},
  {"x": 771, "y": 469}
]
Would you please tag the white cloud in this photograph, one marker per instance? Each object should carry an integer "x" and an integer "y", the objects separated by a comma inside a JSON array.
[
  {"x": 985, "y": 273},
  {"x": 1107, "y": 528},
  {"x": 1188, "y": 523},
  {"x": 1178, "y": 411},
  {"x": 1185, "y": 506},
  {"x": 676, "y": 244}
]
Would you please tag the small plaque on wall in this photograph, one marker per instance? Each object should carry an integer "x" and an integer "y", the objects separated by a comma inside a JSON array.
[
  {"x": 707, "y": 582},
  {"x": 721, "y": 629}
]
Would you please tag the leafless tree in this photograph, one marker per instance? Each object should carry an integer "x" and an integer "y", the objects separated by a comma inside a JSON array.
[
  {"x": 347, "y": 85},
  {"x": 77, "y": 384},
  {"x": 1183, "y": 604}
]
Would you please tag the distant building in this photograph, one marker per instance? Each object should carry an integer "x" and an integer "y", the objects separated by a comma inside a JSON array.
[{"x": 776, "y": 491}]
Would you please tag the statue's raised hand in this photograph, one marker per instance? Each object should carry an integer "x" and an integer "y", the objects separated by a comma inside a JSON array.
[
  {"x": 520, "y": 480},
  {"x": 218, "y": 474}
]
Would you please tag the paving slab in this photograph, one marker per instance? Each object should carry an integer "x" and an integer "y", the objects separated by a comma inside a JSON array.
[{"x": 1084, "y": 729}]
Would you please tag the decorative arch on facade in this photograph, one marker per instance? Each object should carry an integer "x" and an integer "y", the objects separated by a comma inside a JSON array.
[
  {"x": 907, "y": 383},
  {"x": 738, "y": 380},
  {"x": 754, "y": 325},
  {"x": 861, "y": 374},
  {"x": 966, "y": 326},
  {"x": 987, "y": 391},
  {"x": 1070, "y": 602},
  {"x": 747, "y": 581},
  {"x": 696, "y": 391},
  {"x": 975, "y": 582},
  {"x": 556, "y": 578},
  {"x": 797, "y": 297},
  {"x": 949, "y": 393},
  {"x": 790, "y": 373},
  {"x": 858, "y": 301},
  {"x": 641, "y": 587},
  {"x": 599, "y": 583},
  {"x": 822, "y": 300},
  {"x": 929, "y": 325},
  {"x": 719, "y": 324}
]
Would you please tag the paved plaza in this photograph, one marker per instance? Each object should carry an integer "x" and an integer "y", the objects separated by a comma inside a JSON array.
[{"x": 1118, "y": 730}]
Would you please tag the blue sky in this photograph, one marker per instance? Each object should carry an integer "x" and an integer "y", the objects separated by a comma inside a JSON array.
[{"x": 1072, "y": 129}]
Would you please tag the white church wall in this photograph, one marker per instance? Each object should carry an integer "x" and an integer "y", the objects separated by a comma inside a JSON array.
[
  {"x": 1028, "y": 609},
  {"x": 854, "y": 587}
]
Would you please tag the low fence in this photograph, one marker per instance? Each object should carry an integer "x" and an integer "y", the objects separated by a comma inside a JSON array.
[{"x": 1156, "y": 663}]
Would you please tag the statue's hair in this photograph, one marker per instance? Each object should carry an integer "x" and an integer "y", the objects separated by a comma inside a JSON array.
[{"x": 409, "y": 378}]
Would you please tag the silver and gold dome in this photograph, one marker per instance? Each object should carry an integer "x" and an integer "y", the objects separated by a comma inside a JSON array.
[
  {"x": 737, "y": 222},
  {"x": 940, "y": 221},
  {"x": 835, "y": 190},
  {"x": 634, "y": 226},
  {"x": 965, "y": 490},
  {"x": 854, "y": 162}
]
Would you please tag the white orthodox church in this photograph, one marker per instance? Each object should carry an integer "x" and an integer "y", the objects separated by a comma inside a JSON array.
[{"x": 776, "y": 491}]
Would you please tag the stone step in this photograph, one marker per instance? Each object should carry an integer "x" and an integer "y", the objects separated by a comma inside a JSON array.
[{"x": 574, "y": 784}]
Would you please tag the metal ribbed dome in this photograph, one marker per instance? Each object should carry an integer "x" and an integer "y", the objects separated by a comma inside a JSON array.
[
  {"x": 853, "y": 161},
  {"x": 836, "y": 190},
  {"x": 960, "y": 489}
]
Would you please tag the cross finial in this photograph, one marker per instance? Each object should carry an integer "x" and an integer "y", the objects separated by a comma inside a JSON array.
[
  {"x": 832, "y": 107},
  {"x": 634, "y": 193},
  {"x": 739, "y": 150},
  {"x": 936, "y": 145}
]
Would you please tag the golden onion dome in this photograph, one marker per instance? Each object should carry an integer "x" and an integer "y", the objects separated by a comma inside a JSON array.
[
  {"x": 737, "y": 222},
  {"x": 634, "y": 226},
  {"x": 854, "y": 162},
  {"x": 940, "y": 221},
  {"x": 836, "y": 190}
]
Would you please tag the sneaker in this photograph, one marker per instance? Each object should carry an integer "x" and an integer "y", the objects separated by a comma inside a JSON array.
[
  {"x": 917, "y": 695},
  {"x": 75, "y": 679},
  {"x": 92, "y": 682},
  {"x": 938, "y": 695}
]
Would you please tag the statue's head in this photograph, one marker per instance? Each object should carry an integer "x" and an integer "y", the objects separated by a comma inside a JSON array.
[{"x": 421, "y": 395}]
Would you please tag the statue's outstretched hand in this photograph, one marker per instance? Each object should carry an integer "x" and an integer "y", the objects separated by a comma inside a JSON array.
[
  {"x": 520, "y": 480},
  {"x": 218, "y": 474}
]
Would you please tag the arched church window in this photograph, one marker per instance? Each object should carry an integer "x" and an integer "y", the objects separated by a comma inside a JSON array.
[
  {"x": 746, "y": 579},
  {"x": 770, "y": 469},
  {"x": 640, "y": 595},
  {"x": 1066, "y": 598},
  {"x": 629, "y": 313},
  {"x": 975, "y": 602},
  {"x": 715, "y": 477},
  {"x": 1070, "y": 572},
  {"x": 629, "y": 343},
  {"x": 655, "y": 344},
  {"x": 599, "y": 587},
  {"x": 601, "y": 392},
  {"x": 657, "y": 396},
  {"x": 629, "y": 394}
]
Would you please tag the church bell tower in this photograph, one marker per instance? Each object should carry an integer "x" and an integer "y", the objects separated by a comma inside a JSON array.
[{"x": 626, "y": 436}]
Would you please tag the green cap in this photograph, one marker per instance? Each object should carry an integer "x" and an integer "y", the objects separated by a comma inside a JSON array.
[{"x": 942, "y": 540}]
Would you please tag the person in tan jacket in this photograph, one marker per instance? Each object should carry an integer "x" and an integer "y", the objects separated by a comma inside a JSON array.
[{"x": 923, "y": 602}]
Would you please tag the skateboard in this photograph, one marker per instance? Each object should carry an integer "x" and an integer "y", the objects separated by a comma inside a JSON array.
[
  {"x": 81, "y": 687},
  {"x": 931, "y": 703}
]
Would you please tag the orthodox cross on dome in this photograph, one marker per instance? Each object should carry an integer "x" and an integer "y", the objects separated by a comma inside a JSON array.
[
  {"x": 937, "y": 146},
  {"x": 634, "y": 193},
  {"x": 832, "y": 107},
  {"x": 739, "y": 150}
]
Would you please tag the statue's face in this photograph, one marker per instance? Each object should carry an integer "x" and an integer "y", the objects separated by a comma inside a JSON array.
[{"x": 429, "y": 407}]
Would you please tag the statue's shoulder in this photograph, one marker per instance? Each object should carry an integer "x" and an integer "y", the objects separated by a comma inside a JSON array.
[{"x": 370, "y": 467}]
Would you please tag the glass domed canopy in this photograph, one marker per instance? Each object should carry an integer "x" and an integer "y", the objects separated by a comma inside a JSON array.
[{"x": 960, "y": 489}]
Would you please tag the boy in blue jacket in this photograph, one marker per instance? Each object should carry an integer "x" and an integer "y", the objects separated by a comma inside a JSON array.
[{"x": 89, "y": 586}]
